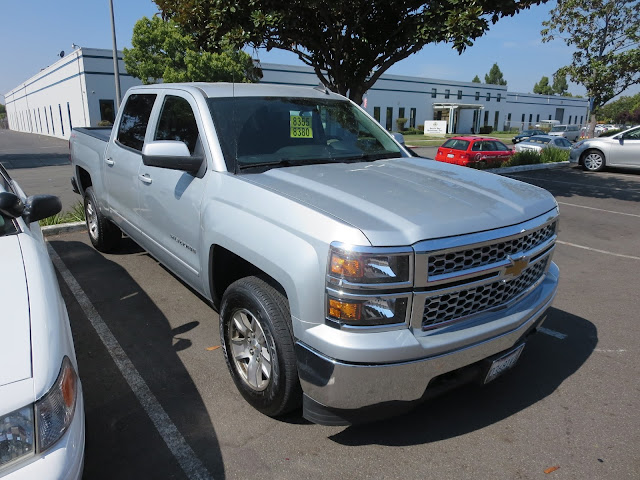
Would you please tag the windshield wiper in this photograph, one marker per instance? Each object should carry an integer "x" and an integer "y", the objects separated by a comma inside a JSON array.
[
  {"x": 287, "y": 162},
  {"x": 368, "y": 157}
]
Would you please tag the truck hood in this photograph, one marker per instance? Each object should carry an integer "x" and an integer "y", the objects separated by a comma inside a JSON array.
[
  {"x": 15, "y": 351},
  {"x": 403, "y": 201}
]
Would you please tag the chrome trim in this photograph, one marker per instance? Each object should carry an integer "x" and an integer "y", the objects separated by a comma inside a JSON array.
[
  {"x": 382, "y": 251},
  {"x": 474, "y": 240},
  {"x": 352, "y": 386},
  {"x": 338, "y": 294}
]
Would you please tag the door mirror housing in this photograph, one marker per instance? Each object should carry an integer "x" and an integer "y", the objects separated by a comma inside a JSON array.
[
  {"x": 34, "y": 209},
  {"x": 171, "y": 154}
]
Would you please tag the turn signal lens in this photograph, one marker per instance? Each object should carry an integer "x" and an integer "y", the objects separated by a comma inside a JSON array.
[
  {"x": 344, "y": 310},
  {"x": 345, "y": 267}
]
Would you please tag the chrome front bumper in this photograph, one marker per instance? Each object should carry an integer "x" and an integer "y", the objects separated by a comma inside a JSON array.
[{"x": 349, "y": 386}]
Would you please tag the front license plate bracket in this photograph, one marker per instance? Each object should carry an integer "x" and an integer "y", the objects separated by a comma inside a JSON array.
[{"x": 503, "y": 363}]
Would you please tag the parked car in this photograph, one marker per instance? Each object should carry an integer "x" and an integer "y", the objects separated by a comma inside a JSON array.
[
  {"x": 570, "y": 132},
  {"x": 349, "y": 276},
  {"x": 525, "y": 134},
  {"x": 619, "y": 150},
  {"x": 466, "y": 150},
  {"x": 540, "y": 142},
  {"x": 41, "y": 405}
]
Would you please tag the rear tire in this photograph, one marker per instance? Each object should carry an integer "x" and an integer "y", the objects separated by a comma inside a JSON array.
[
  {"x": 593, "y": 161},
  {"x": 104, "y": 235},
  {"x": 255, "y": 330}
]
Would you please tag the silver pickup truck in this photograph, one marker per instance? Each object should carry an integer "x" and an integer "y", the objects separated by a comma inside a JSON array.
[{"x": 350, "y": 277}]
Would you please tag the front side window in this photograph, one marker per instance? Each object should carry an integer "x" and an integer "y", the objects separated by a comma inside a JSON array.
[
  {"x": 135, "y": 118},
  {"x": 268, "y": 132},
  {"x": 177, "y": 122}
]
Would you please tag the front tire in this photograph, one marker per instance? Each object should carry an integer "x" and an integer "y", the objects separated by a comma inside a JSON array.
[
  {"x": 593, "y": 161},
  {"x": 104, "y": 235},
  {"x": 255, "y": 330}
]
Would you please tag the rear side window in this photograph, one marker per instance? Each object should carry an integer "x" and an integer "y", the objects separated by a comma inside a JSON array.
[
  {"x": 177, "y": 122},
  {"x": 456, "y": 144},
  {"x": 135, "y": 118},
  {"x": 500, "y": 147}
]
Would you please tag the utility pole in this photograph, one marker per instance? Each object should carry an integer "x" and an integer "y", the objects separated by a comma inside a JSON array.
[{"x": 116, "y": 70}]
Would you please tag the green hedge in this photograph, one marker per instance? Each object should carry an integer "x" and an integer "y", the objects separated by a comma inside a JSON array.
[{"x": 528, "y": 157}]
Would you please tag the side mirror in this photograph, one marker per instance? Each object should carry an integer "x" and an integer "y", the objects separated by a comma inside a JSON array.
[
  {"x": 36, "y": 207},
  {"x": 171, "y": 154},
  {"x": 398, "y": 137}
]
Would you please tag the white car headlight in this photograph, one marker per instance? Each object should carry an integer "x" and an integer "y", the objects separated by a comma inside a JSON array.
[
  {"x": 54, "y": 411},
  {"x": 16, "y": 436}
]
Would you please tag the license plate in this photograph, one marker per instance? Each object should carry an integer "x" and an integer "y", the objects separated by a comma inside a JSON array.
[
  {"x": 450, "y": 155},
  {"x": 504, "y": 363}
]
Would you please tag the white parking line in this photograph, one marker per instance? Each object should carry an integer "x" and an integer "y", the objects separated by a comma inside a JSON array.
[
  {"x": 552, "y": 333},
  {"x": 186, "y": 457},
  {"x": 599, "y": 209},
  {"x": 596, "y": 250}
]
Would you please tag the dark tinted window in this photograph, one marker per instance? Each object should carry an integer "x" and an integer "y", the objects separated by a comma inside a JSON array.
[
  {"x": 500, "y": 147},
  {"x": 135, "y": 118},
  {"x": 107, "y": 111},
  {"x": 456, "y": 144},
  {"x": 177, "y": 122}
]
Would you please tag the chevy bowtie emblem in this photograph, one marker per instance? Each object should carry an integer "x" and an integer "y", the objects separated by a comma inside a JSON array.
[{"x": 516, "y": 267}]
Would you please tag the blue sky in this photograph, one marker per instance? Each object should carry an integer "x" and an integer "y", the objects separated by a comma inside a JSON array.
[{"x": 35, "y": 31}]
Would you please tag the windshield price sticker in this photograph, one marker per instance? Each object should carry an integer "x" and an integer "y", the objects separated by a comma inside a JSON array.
[{"x": 300, "y": 127}]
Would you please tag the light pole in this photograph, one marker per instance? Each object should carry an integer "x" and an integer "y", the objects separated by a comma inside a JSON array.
[{"x": 116, "y": 70}]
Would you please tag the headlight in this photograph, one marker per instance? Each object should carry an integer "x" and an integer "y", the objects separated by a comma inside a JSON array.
[
  {"x": 54, "y": 411},
  {"x": 16, "y": 436},
  {"x": 373, "y": 267},
  {"x": 367, "y": 311}
]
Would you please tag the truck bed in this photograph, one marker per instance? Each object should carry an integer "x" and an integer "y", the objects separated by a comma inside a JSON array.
[{"x": 101, "y": 133}]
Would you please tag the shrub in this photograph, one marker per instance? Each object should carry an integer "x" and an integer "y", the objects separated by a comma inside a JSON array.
[
  {"x": 105, "y": 123},
  {"x": 608, "y": 133},
  {"x": 554, "y": 155},
  {"x": 421, "y": 128},
  {"x": 486, "y": 130},
  {"x": 76, "y": 214},
  {"x": 528, "y": 157},
  {"x": 401, "y": 122}
]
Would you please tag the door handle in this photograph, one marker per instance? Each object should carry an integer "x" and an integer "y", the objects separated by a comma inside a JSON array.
[
  {"x": 145, "y": 179},
  {"x": 109, "y": 161}
]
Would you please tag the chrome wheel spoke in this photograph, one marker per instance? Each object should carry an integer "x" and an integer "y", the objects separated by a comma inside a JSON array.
[{"x": 249, "y": 349}]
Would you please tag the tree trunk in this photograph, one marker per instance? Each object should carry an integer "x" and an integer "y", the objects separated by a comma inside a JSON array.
[{"x": 592, "y": 126}]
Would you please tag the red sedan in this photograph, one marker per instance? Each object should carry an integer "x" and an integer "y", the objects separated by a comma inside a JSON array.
[{"x": 467, "y": 150}]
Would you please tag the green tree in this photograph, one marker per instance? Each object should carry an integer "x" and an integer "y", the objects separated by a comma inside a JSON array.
[
  {"x": 560, "y": 85},
  {"x": 495, "y": 77},
  {"x": 161, "y": 51},
  {"x": 621, "y": 110},
  {"x": 476, "y": 79},
  {"x": 606, "y": 37},
  {"x": 3, "y": 111},
  {"x": 348, "y": 44},
  {"x": 543, "y": 87}
]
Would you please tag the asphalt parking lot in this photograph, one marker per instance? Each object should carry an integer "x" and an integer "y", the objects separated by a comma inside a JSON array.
[{"x": 160, "y": 402}]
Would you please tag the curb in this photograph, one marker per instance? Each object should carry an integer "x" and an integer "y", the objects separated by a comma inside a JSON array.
[
  {"x": 51, "y": 230},
  {"x": 526, "y": 168}
]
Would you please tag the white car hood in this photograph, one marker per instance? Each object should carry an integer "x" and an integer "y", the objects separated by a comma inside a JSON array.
[{"x": 15, "y": 325}]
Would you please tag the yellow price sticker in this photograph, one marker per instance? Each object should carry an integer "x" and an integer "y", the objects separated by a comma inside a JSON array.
[{"x": 300, "y": 127}]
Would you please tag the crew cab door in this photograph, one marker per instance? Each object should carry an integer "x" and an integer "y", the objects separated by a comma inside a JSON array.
[
  {"x": 169, "y": 198},
  {"x": 625, "y": 149},
  {"x": 123, "y": 157}
]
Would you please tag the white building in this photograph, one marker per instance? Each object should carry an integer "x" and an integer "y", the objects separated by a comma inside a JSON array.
[{"x": 79, "y": 90}]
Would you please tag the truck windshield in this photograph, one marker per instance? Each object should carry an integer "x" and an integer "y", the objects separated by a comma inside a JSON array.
[{"x": 268, "y": 132}]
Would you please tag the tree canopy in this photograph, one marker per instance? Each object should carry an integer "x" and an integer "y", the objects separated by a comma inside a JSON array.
[
  {"x": 495, "y": 77},
  {"x": 162, "y": 51},
  {"x": 606, "y": 37},
  {"x": 476, "y": 79},
  {"x": 560, "y": 85},
  {"x": 624, "y": 110},
  {"x": 348, "y": 44},
  {"x": 543, "y": 87}
]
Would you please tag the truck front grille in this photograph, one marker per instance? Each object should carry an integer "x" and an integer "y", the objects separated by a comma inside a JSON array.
[
  {"x": 463, "y": 303},
  {"x": 456, "y": 261}
]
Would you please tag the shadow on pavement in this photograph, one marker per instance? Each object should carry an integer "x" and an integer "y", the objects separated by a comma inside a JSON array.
[
  {"x": 33, "y": 160},
  {"x": 121, "y": 440},
  {"x": 544, "y": 365}
]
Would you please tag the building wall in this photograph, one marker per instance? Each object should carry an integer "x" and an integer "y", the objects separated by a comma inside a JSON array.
[{"x": 66, "y": 94}]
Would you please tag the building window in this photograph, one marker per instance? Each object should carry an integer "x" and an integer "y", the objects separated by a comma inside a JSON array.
[
  {"x": 389, "y": 119},
  {"x": 569, "y": 122},
  {"x": 46, "y": 118},
  {"x": 412, "y": 118},
  {"x": 477, "y": 95},
  {"x": 498, "y": 97},
  {"x": 523, "y": 118},
  {"x": 459, "y": 94},
  {"x": 581, "y": 118},
  {"x": 447, "y": 92},
  {"x": 53, "y": 126},
  {"x": 496, "y": 118},
  {"x": 107, "y": 111},
  {"x": 434, "y": 92},
  {"x": 401, "y": 112},
  {"x": 61, "y": 121},
  {"x": 549, "y": 117},
  {"x": 486, "y": 118},
  {"x": 40, "y": 120},
  {"x": 530, "y": 118},
  {"x": 538, "y": 118},
  {"x": 488, "y": 96},
  {"x": 69, "y": 113},
  {"x": 376, "y": 113}
]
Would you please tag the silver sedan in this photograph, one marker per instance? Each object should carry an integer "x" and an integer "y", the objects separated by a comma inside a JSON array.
[
  {"x": 540, "y": 142},
  {"x": 620, "y": 150}
]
